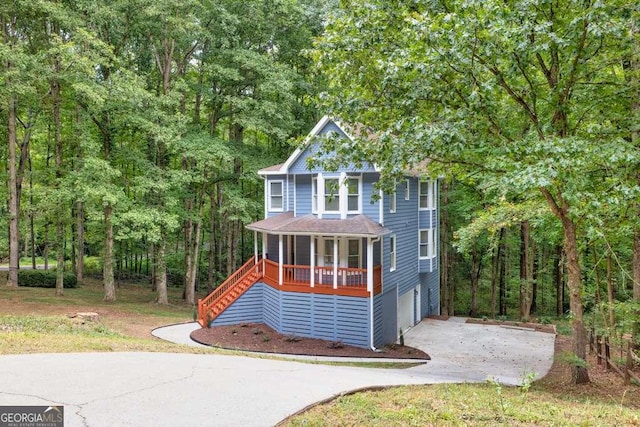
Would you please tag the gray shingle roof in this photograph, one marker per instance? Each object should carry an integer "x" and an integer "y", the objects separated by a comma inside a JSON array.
[{"x": 286, "y": 223}]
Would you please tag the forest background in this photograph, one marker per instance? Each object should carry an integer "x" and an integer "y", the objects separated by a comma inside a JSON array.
[{"x": 133, "y": 130}]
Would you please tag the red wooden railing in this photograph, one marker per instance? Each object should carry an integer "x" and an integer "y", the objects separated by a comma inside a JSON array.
[
  {"x": 237, "y": 276},
  {"x": 300, "y": 276}
]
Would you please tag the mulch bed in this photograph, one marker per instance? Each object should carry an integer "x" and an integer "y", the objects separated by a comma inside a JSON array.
[{"x": 259, "y": 337}]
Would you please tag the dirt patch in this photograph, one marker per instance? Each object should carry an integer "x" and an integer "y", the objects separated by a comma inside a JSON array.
[
  {"x": 605, "y": 386},
  {"x": 261, "y": 338}
]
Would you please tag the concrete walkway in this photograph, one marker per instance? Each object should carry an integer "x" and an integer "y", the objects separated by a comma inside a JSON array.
[{"x": 166, "y": 389}]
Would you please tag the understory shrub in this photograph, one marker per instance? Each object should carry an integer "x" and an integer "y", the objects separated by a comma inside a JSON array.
[{"x": 44, "y": 279}]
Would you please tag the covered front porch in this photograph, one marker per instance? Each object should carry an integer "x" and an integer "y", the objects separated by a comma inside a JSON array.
[{"x": 322, "y": 256}]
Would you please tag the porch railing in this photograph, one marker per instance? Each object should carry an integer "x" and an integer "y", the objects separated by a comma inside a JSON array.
[{"x": 299, "y": 276}]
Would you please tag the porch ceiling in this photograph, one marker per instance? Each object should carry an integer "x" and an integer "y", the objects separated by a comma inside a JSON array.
[{"x": 286, "y": 223}]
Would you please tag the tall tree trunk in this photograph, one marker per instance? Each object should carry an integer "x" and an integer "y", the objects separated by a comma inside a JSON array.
[
  {"x": 502, "y": 273},
  {"x": 474, "y": 276},
  {"x": 80, "y": 242},
  {"x": 212, "y": 243},
  {"x": 57, "y": 132},
  {"x": 574, "y": 283},
  {"x": 444, "y": 249},
  {"x": 610, "y": 295},
  {"x": 14, "y": 231},
  {"x": 79, "y": 212},
  {"x": 195, "y": 248},
  {"x": 636, "y": 288},
  {"x": 32, "y": 230},
  {"x": 108, "y": 279},
  {"x": 535, "y": 253},
  {"x": 526, "y": 281},
  {"x": 558, "y": 279},
  {"x": 161, "y": 272}
]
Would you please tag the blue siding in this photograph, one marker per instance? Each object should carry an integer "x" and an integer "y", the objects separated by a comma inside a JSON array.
[
  {"x": 378, "y": 317},
  {"x": 285, "y": 195},
  {"x": 301, "y": 166},
  {"x": 290, "y": 190},
  {"x": 330, "y": 317},
  {"x": 369, "y": 207},
  {"x": 303, "y": 195},
  {"x": 404, "y": 224},
  {"x": 247, "y": 308},
  {"x": 429, "y": 294},
  {"x": 271, "y": 307}
]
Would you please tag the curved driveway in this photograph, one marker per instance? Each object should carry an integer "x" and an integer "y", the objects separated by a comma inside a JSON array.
[{"x": 166, "y": 389}]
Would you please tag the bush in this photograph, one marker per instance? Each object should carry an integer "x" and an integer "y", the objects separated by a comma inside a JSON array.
[{"x": 44, "y": 279}]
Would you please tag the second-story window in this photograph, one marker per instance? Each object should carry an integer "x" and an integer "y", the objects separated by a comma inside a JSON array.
[
  {"x": 331, "y": 195},
  {"x": 392, "y": 202},
  {"x": 427, "y": 195},
  {"x": 353, "y": 195},
  {"x": 392, "y": 252},
  {"x": 276, "y": 195},
  {"x": 407, "y": 191},
  {"x": 314, "y": 194}
]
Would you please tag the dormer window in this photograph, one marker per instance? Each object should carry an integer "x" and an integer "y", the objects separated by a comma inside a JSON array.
[{"x": 276, "y": 195}]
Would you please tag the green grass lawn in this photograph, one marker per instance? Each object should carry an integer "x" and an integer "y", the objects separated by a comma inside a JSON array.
[{"x": 464, "y": 405}]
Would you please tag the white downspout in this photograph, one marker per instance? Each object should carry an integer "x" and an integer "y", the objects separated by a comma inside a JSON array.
[{"x": 370, "y": 273}]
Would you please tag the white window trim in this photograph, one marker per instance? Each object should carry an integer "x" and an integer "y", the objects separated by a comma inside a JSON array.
[
  {"x": 430, "y": 243},
  {"x": 407, "y": 190},
  {"x": 393, "y": 254},
  {"x": 324, "y": 195},
  {"x": 319, "y": 207},
  {"x": 430, "y": 195},
  {"x": 360, "y": 189},
  {"x": 314, "y": 200},
  {"x": 269, "y": 195}
]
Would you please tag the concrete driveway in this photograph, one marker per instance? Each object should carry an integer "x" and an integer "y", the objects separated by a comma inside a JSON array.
[{"x": 166, "y": 389}]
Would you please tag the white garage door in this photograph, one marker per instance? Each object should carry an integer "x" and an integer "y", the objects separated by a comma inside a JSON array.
[{"x": 406, "y": 314}]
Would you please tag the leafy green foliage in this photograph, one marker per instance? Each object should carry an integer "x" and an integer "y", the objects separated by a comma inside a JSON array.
[{"x": 44, "y": 279}]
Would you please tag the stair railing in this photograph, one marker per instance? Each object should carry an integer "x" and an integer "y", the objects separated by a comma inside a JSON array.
[{"x": 248, "y": 267}]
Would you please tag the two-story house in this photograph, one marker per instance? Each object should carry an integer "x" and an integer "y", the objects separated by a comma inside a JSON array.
[{"x": 331, "y": 261}]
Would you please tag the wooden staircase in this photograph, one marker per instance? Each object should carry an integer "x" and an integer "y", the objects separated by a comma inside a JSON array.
[{"x": 229, "y": 291}]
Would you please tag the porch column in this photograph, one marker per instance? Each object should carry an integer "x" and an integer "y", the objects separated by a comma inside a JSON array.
[
  {"x": 369, "y": 265},
  {"x": 312, "y": 270},
  {"x": 280, "y": 256},
  {"x": 264, "y": 245},
  {"x": 335, "y": 262},
  {"x": 255, "y": 247}
]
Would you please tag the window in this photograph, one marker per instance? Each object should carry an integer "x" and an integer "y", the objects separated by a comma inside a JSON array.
[
  {"x": 424, "y": 243},
  {"x": 328, "y": 252},
  {"x": 353, "y": 260},
  {"x": 427, "y": 245},
  {"x": 331, "y": 195},
  {"x": 275, "y": 195},
  {"x": 407, "y": 191},
  {"x": 427, "y": 199},
  {"x": 314, "y": 194},
  {"x": 392, "y": 252},
  {"x": 353, "y": 195},
  {"x": 392, "y": 202}
]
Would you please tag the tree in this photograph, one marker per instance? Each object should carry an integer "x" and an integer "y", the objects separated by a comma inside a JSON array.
[{"x": 529, "y": 95}]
